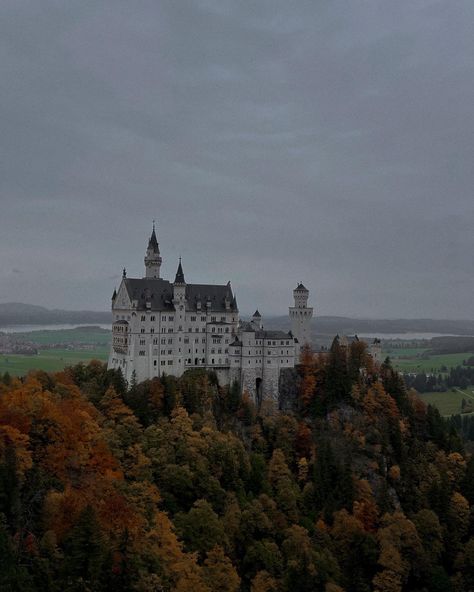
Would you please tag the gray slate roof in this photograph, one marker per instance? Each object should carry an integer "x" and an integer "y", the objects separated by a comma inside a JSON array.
[
  {"x": 302, "y": 288},
  {"x": 159, "y": 293},
  {"x": 273, "y": 335}
]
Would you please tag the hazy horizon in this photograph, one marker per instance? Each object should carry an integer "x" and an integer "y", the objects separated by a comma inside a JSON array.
[{"x": 328, "y": 143}]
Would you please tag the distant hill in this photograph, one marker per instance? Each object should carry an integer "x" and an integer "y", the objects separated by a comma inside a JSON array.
[
  {"x": 17, "y": 313},
  {"x": 348, "y": 326}
]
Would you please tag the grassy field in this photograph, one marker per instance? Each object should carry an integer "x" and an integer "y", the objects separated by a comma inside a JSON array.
[
  {"x": 449, "y": 403},
  {"x": 420, "y": 360},
  {"x": 50, "y": 360}
]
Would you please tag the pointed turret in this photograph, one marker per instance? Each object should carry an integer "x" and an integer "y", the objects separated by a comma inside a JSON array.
[
  {"x": 257, "y": 319},
  {"x": 153, "y": 242},
  {"x": 153, "y": 258},
  {"x": 179, "y": 279},
  {"x": 114, "y": 295},
  {"x": 179, "y": 287}
]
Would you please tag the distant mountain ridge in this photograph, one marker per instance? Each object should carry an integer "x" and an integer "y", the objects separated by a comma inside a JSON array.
[
  {"x": 18, "y": 313},
  {"x": 332, "y": 325}
]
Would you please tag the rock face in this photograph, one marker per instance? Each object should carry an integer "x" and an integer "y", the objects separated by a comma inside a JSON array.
[{"x": 288, "y": 389}]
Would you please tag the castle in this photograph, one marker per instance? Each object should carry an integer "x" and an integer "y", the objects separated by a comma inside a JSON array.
[{"x": 161, "y": 327}]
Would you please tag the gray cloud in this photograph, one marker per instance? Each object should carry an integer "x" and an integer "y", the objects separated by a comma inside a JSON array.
[{"x": 328, "y": 142}]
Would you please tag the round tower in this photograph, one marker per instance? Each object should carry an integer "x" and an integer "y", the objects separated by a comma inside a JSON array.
[
  {"x": 153, "y": 257},
  {"x": 300, "y": 316}
]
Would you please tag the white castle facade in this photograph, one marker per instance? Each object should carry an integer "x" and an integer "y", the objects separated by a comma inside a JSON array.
[{"x": 161, "y": 327}]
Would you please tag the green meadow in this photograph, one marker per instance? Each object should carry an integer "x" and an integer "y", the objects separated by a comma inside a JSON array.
[
  {"x": 448, "y": 403},
  {"x": 418, "y": 360},
  {"x": 49, "y": 360},
  {"x": 71, "y": 349}
]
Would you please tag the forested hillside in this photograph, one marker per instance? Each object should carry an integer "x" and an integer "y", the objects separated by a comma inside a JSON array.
[{"x": 181, "y": 485}]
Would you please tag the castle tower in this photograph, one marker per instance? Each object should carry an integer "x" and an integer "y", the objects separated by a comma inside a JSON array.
[
  {"x": 179, "y": 286},
  {"x": 257, "y": 320},
  {"x": 153, "y": 257},
  {"x": 300, "y": 316}
]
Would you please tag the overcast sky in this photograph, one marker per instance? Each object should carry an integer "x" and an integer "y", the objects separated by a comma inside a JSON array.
[{"x": 327, "y": 141}]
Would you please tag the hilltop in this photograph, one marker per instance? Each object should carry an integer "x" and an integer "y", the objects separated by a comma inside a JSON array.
[{"x": 18, "y": 313}]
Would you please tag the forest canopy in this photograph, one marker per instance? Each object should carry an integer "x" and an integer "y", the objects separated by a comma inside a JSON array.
[{"x": 182, "y": 484}]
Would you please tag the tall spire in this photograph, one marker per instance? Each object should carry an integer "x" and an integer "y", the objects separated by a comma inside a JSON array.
[
  {"x": 153, "y": 257},
  {"x": 179, "y": 279},
  {"x": 153, "y": 242}
]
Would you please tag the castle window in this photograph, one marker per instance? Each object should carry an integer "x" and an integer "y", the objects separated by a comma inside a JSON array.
[
  {"x": 163, "y": 352},
  {"x": 203, "y": 319},
  {"x": 204, "y": 329},
  {"x": 163, "y": 318},
  {"x": 141, "y": 353},
  {"x": 154, "y": 362},
  {"x": 142, "y": 330},
  {"x": 163, "y": 341},
  {"x": 186, "y": 340},
  {"x": 170, "y": 340},
  {"x": 143, "y": 318},
  {"x": 213, "y": 330},
  {"x": 171, "y": 318},
  {"x": 170, "y": 351},
  {"x": 203, "y": 340},
  {"x": 223, "y": 319},
  {"x": 219, "y": 351},
  {"x": 152, "y": 318},
  {"x": 152, "y": 330},
  {"x": 227, "y": 329},
  {"x": 196, "y": 340},
  {"x": 170, "y": 362},
  {"x": 162, "y": 363},
  {"x": 193, "y": 318},
  {"x": 142, "y": 342},
  {"x": 213, "y": 319},
  {"x": 170, "y": 330}
]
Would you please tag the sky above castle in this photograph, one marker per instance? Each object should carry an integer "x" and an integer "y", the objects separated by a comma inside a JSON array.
[{"x": 274, "y": 142}]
